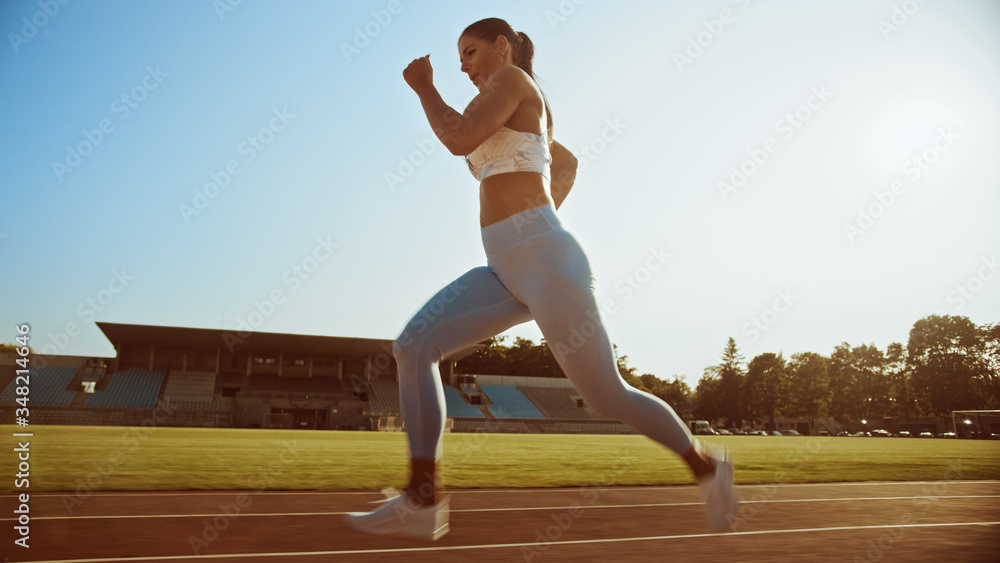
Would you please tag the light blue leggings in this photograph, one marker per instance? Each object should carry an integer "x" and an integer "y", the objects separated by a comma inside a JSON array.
[{"x": 536, "y": 270}]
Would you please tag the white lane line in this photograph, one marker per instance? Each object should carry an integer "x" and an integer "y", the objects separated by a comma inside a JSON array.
[
  {"x": 869, "y": 483},
  {"x": 506, "y": 509},
  {"x": 477, "y": 491},
  {"x": 509, "y": 545}
]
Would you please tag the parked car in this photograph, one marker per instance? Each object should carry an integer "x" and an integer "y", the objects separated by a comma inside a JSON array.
[
  {"x": 903, "y": 434},
  {"x": 700, "y": 427},
  {"x": 723, "y": 432},
  {"x": 879, "y": 433},
  {"x": 843, "y": 433},
  {"x": 790, "y": 433},
  {"x": 926, "y": 435},
  {"x": 946, "y": 435},
  {"x": 775, "y": 433}
]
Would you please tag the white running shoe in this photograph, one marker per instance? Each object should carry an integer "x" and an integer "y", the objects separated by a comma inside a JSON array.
[
  {"x": 719, "y": 495},
  {"x": 399, "y": 516}
]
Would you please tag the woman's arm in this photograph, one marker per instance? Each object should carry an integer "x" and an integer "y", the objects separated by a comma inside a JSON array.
[
  {"x": 461, "y": 133},
  {"x": 563, "y": 172}
]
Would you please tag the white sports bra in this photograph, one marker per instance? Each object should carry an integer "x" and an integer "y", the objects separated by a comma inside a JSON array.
[{"x": 510, "y": 151}]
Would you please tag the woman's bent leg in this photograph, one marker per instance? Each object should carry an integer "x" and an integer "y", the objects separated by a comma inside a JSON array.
[{"x": 473, "y": 308}]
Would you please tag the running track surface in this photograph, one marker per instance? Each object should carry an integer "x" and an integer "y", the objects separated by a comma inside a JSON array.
[{"x": 918, "y": 521}]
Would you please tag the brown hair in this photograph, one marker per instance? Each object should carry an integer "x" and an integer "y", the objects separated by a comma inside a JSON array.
[{"x": 523, "y": 52}]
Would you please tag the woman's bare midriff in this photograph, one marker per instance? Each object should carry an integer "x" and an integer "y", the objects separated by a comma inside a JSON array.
[{"x": 508, "y": 194}]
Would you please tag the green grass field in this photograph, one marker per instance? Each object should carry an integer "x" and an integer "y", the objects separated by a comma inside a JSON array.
[{"x": 64, "y": 458}]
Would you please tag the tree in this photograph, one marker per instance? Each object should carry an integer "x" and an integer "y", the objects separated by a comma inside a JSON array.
[
  {"x": 720, "y": 389},
  {"x": 491, "y": 359},
  {"x": 674, "y": 392},
  {"x": 808, "y": 386},
  {"x": 841, "y": 378},
  {"x": 524, "y": 357},
  {"x": 902, "y": 402},
  {"x": 949, "y": 364},
  {"x": 859, "y": 387},
  {"x": 989, "y": 336},
  {"x": 872, "y": 381},
  {"x": 765, "y": 390},
  {"x": 708, "y": 395},
  {"x": 731, "y": 378},
  {"x": 533, "y": 359}
]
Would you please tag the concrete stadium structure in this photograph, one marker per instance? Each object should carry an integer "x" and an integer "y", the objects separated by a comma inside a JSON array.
[{"x": 222, "y": 378}]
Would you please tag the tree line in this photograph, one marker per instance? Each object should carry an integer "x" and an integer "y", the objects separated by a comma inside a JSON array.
[{"x": 948, "y": 363}]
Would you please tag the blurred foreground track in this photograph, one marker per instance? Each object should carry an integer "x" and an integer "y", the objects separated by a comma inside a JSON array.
[{"x": 915, "y": 521}]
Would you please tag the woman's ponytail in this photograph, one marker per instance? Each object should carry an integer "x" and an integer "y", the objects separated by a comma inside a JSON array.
[{"x": 524, "y": 53}]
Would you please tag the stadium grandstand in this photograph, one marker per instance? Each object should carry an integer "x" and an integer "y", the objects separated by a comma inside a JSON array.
[{"x": 179, "y": 376}]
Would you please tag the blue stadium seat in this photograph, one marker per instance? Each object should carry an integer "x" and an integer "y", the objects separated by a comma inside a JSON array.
[
  {"x": 508, "y": 402},
  {"x": 130, "y": 389},
  {"x": 46, "y": 388},
  {"x": 457, "y": 407}
]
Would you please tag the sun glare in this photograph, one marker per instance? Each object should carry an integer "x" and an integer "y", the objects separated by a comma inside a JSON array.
[{"x": 905, "y": 130}]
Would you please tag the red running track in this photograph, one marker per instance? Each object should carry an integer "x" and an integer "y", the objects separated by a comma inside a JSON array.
[{"x": 920, "y": 521}]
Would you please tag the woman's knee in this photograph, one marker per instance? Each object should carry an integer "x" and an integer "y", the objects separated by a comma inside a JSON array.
[
  {"x": 429, "y": 330},
  {"x": 409, "y": 346}
]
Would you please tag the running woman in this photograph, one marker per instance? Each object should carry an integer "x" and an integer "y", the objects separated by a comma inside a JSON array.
[{"x": 535, "y": 270}]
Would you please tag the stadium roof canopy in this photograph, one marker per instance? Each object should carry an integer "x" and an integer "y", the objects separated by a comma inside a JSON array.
[{"x": 256, "y": 342}]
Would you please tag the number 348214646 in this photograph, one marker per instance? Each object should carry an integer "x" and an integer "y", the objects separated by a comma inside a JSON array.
[{"x": 22, "y": 361}]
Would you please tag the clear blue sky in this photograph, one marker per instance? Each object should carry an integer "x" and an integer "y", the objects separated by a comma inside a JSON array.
[{"x": 117, "y": 116}]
